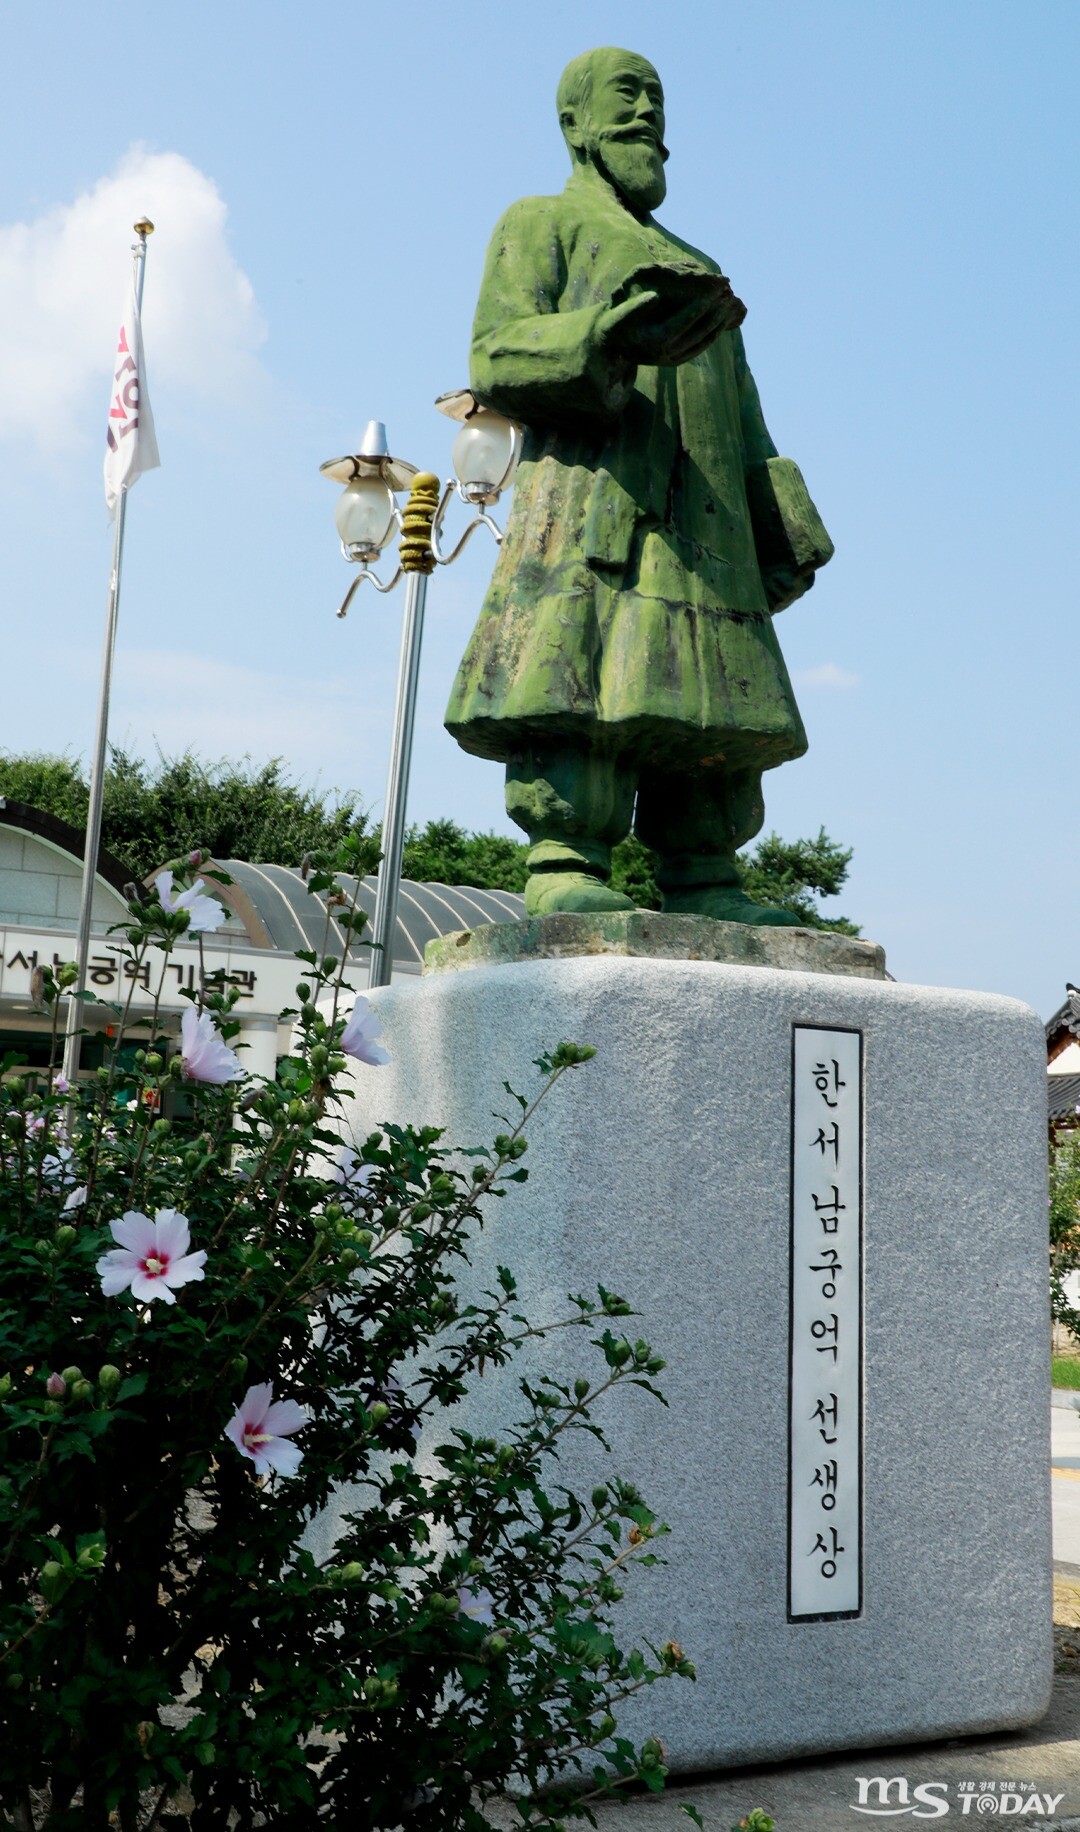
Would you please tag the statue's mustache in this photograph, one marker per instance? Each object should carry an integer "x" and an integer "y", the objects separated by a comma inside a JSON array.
[{"x": 634, "y": 133}]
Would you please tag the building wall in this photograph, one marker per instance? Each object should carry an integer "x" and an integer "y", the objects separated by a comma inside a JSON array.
[{"x": 40, "y": 885}]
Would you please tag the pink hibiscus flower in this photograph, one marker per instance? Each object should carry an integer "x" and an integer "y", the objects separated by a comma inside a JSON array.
[
  {"x": 203, "y": 1051},
  {"x": 478, "y": 1605},
  {"x": 358, "y": 1037},
  {"x": 152, "y": 1258},
  {"x": 260, "y": 1427},
  {"x": 205, "y": 914}
]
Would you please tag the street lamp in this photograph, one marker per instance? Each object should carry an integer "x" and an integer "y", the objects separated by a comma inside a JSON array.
[{"x": 485, "y": 457}]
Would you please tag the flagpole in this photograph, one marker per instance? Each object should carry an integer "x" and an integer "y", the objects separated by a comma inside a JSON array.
[{"x": 72, "y": 1038}]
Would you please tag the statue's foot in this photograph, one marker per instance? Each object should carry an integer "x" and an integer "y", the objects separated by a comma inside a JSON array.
[
  {"x": 727, "y": 903},
  {"x": 577, "y": 891}
]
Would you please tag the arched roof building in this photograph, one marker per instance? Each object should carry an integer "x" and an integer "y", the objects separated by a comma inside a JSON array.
[
  {"x": 272, "y": 913},
  {"x": 287, "y": 916}
]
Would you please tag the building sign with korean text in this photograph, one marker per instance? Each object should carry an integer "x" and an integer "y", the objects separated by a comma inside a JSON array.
[
  {"x": 264, "y": 981},
  {"x": 825, "y": 1431}
]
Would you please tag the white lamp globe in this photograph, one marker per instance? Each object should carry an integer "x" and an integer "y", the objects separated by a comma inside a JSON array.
[
  {"x": 364, "y": 515},
  {"x": 485, "y": 455}
]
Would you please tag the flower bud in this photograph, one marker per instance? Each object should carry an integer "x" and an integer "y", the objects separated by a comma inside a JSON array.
[
  {"x": 53, "y": 1581},
  {"x": 13, "y": 1682},
  {"x": 53, "y": 1408},
  {"x": 161, "y": 1129},
  {"x": 349, "y": 1260},
  {"x": 606, "y": 1726},
  {"x": 109, "y": 1378},
  {"x": 496, "y": 1644},
  {"x": 68, "y": 973},
  {"x": 239, "y": 1366},
  {"x": 6, "y": 1384},
  {"x": 581, "y": 1387},
  {"x": 71, "y": 1375},
  {"x": 303, "y": 992},
  {"x": 15, "y": 1125},
  {"x": 66, "y": 1236},
  {"x": 599, "y": 1498},
  {"x": 81, "y": 1391},
  {"x": 56, "y": 1386},
  {"x": 379, "y": 1412},
  {"x": 153, "y": 1063},
  {"x": 42, "y": 1249},
  {"x": 352, "y": 1572},
  {"x": 197, "y": 857}
]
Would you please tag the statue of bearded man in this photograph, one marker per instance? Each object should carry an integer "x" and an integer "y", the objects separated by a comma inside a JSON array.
[{"x": 624, "y": 666}]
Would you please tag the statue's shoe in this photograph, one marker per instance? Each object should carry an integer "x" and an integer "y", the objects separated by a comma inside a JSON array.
[
  {"x": 576, "y": 891},
  {"x": 728, "y": 904}
]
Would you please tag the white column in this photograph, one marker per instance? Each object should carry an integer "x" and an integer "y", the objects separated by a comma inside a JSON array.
[{"x": 258, "y": 1045}]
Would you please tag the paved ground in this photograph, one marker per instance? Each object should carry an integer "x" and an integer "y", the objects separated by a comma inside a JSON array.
[
  {"x": 819, "y": 1796},
  {"x": 1065, "y": 1483}
]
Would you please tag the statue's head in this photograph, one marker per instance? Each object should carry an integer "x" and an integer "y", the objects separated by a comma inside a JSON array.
[{"x": 611, "y": 111}]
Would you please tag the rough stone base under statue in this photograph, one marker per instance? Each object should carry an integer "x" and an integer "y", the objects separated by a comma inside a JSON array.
[{"x": 662, "y": 1169}]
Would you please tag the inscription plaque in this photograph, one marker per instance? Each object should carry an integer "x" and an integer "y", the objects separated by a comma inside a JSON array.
[{"x": 826, "y": 1414}]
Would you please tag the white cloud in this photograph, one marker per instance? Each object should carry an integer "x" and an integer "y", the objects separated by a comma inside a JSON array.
[
  {"x": 825, "y": 674},
  {"x": 63, "y": 278}
]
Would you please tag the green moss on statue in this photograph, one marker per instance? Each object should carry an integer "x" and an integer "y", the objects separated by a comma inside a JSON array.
[{"x": 624, "y": 666}]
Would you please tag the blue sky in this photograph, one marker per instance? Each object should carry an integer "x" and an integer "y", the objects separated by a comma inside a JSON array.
[{"x": 892, "y": 189}]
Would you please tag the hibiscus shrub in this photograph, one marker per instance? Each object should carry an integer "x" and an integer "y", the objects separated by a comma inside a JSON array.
[{"x": 207, "y": 1327}]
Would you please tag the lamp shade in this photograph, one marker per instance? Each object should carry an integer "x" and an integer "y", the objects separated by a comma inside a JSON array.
[
  {"x": 364, "y": 515},
  {"x": 485, "y": 455}
]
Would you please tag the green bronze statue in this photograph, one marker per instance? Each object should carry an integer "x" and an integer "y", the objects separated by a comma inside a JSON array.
[{"x": 624, "y": 665}]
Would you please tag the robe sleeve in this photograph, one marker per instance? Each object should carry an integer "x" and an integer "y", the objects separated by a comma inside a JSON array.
[{"x": 530, "y": 360}]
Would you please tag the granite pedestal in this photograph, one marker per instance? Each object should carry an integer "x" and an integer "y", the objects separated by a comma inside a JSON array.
[{"x": 663, "y": 1170}]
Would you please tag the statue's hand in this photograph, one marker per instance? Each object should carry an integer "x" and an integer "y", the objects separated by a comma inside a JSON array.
[{"x": 647, "y": 328}]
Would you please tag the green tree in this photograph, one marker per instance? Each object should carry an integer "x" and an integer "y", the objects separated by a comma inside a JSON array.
[
  {"x": 235, "y": 809},
  {"x": 1064, "y": 1226},
  {"x": 443, "y": 853},
  {"x": 240, "y": 811},
  {"x": 791, "y": 873}
]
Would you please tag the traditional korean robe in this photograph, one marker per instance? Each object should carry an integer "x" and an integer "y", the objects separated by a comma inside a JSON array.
[{"x": 627, "y": 611}]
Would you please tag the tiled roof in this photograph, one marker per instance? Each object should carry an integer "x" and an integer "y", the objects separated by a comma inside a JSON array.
[{"x": 1063, "y": 1098}]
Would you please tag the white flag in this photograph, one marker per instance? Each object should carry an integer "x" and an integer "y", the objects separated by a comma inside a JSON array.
[{"x": 131, "y": 445}]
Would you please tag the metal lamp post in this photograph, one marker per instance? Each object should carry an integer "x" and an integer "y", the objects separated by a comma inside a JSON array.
[{"x": 485, "y": 457}]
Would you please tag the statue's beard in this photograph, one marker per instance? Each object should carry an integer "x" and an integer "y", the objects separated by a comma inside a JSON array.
[{"x": 635, "y": 166}]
